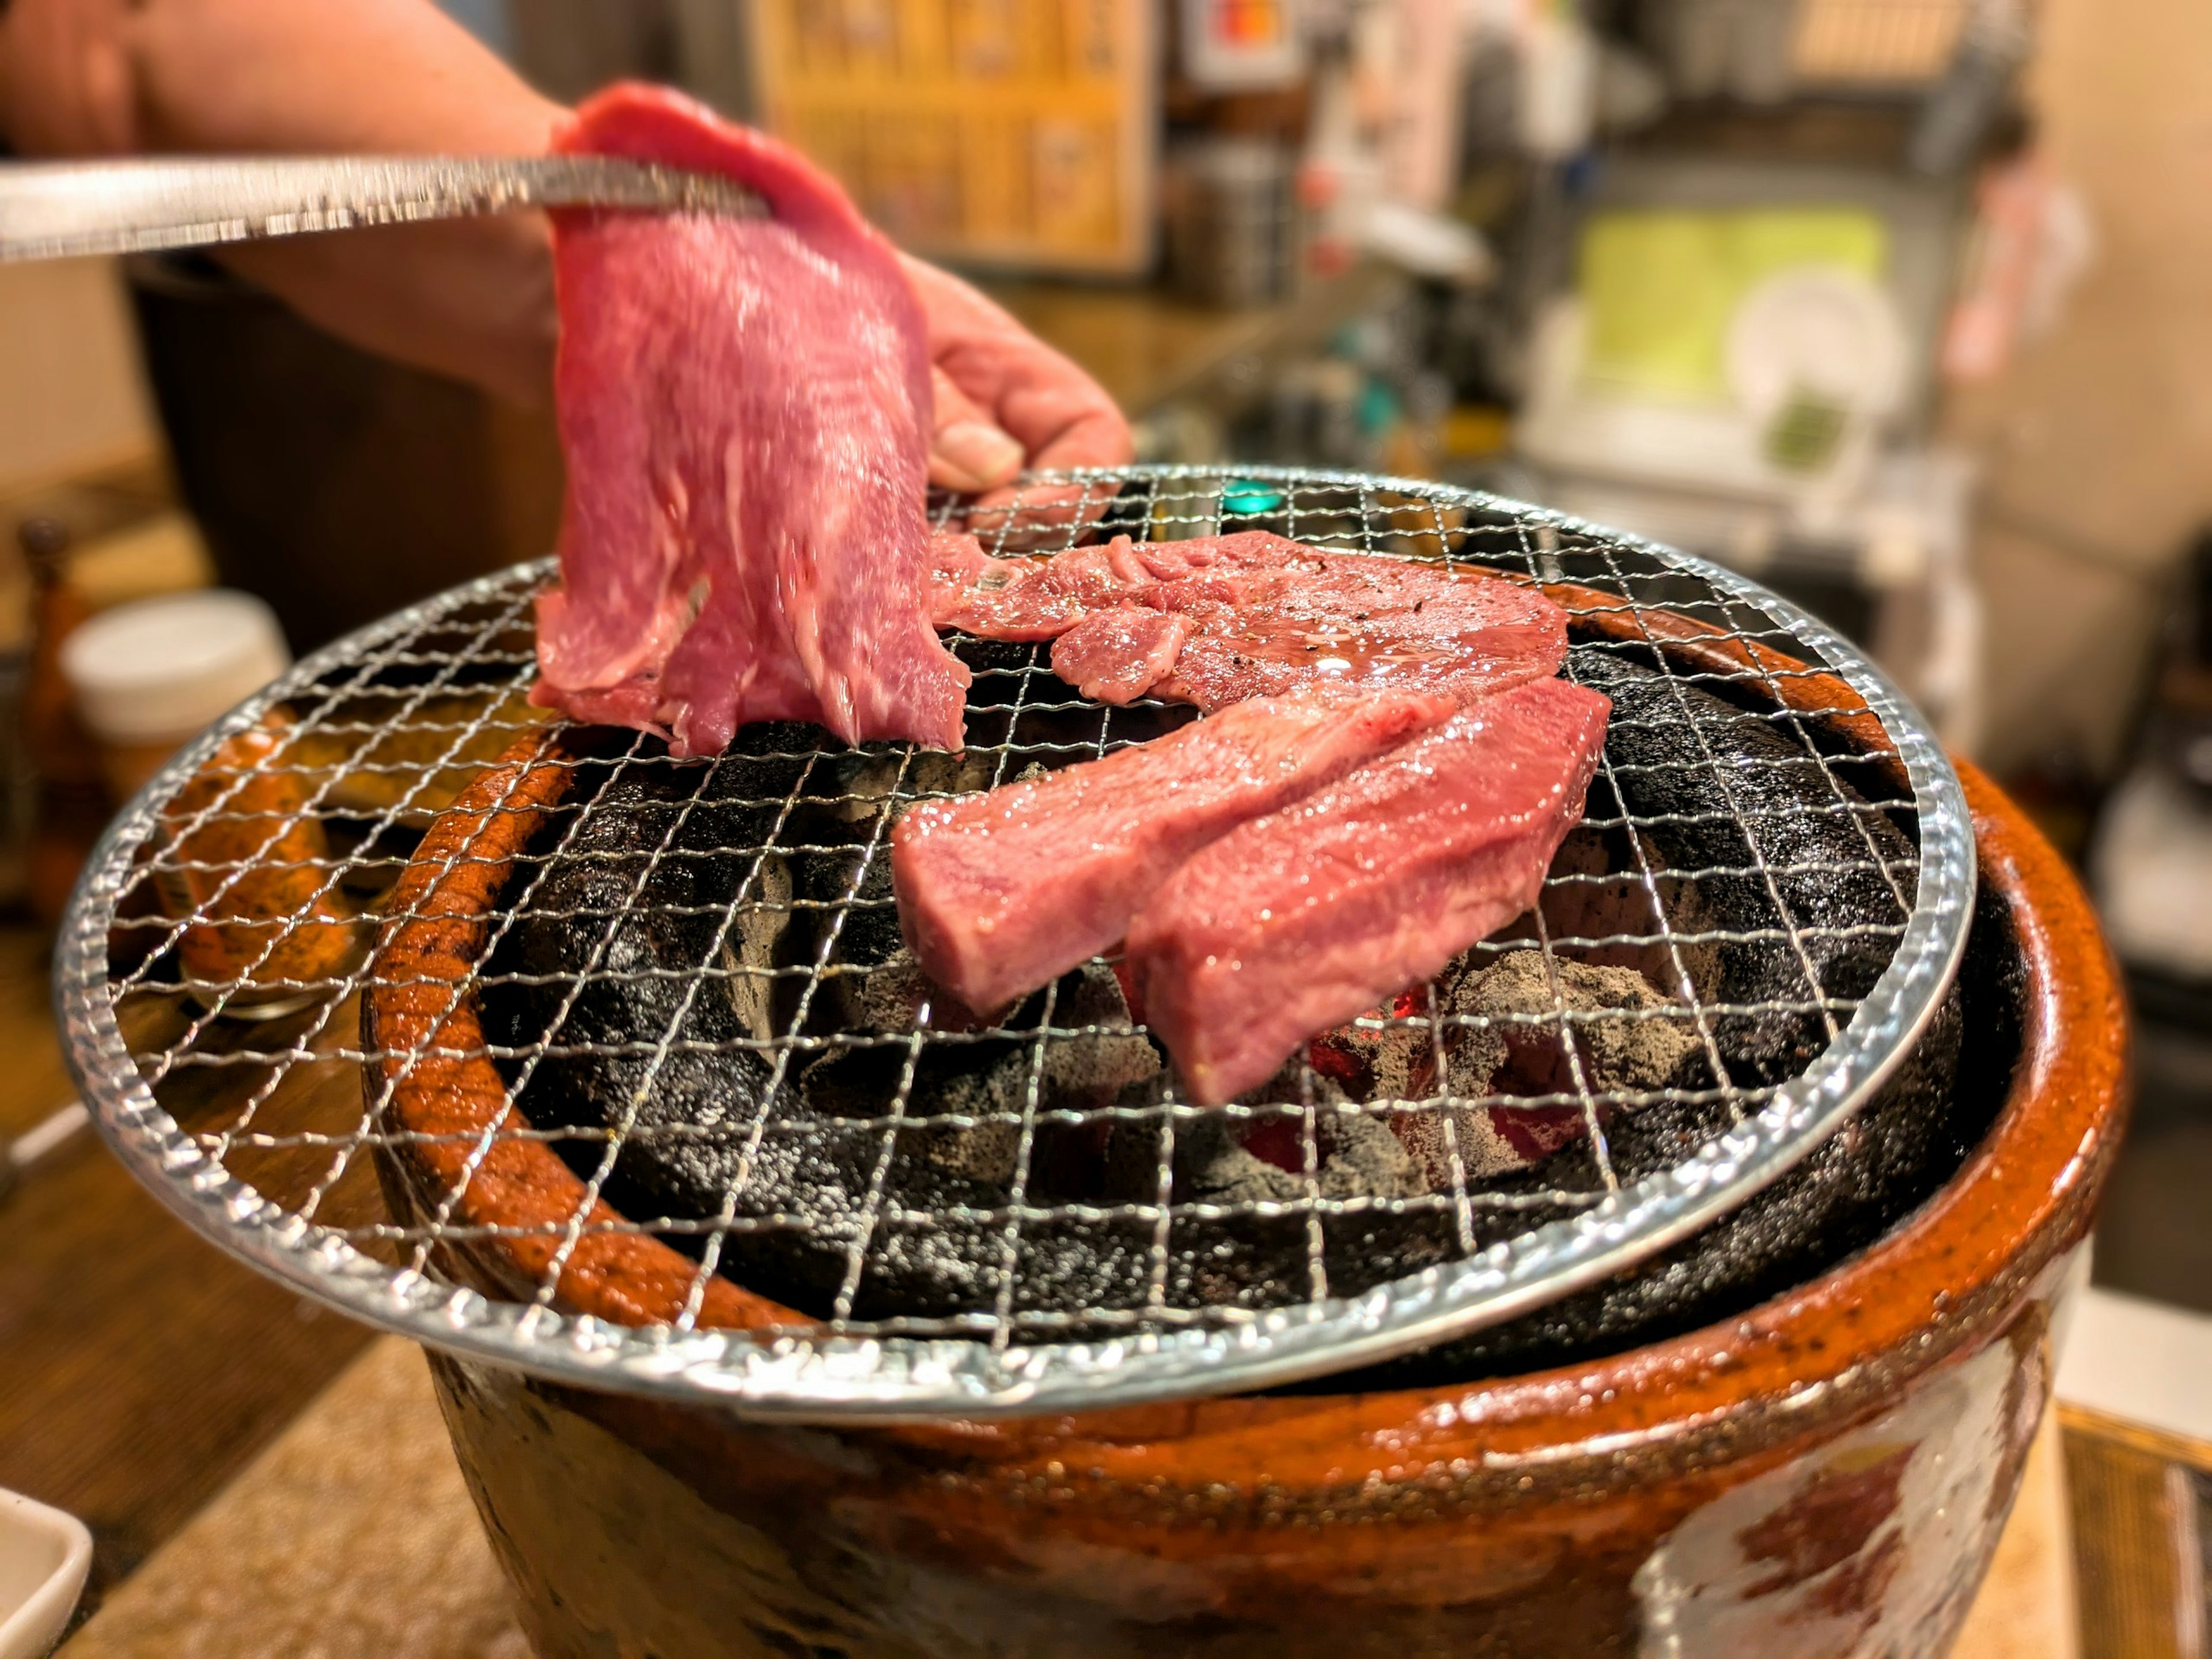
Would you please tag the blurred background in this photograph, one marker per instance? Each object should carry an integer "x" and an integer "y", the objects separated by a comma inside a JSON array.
[{"x": 1898, "y": 305}]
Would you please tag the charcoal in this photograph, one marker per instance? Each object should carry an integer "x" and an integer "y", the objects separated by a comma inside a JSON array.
[
  {"x": 1701, "y": 769},
  {"x": 781, "y": 1159}
]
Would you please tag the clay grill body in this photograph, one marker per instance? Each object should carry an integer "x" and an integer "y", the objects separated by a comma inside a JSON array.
[{"x": 1826, "y": 1473}]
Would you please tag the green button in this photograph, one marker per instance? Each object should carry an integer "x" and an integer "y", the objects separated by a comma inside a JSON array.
[{"x": 1250, "y": 495}]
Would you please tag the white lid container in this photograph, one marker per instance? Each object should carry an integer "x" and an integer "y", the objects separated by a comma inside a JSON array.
[
  {"x": 158, "y": 670},
  {"x": 44, "y": 1557}
]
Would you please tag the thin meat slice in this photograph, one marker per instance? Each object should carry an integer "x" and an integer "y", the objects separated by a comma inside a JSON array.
[
  {"x": 1012, "y": 599},
  {"x": 1473, "y": 637},
  {"x": 957, "y": 563},
  {"x": 1116, "y": 656},
  {"x": 745, "y": 405},
  {"x": 1002, "y": 892},
  {"x": 1028, "y": 598},
  {"x": 1296, "y": 922},
  {"x": 1272, "y": 616},
  {"x": 1268, "y": 616},
  {"x": 1041, "y": 598}
]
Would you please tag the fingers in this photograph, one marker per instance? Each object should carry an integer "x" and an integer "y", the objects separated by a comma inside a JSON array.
[
  {"x": 990, "y": 369},
  {"x": 68, "y": 85},
  {"x": 1057, "y": 416},
  {"x": 968, "y": 451},
  {"x": 1096, "y": 436}
]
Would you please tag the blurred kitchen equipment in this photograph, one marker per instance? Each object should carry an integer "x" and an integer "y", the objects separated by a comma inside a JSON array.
[
  {"x": 44, "y": 1557},
  {"x": 1242, "y": 45},
  {"x": 1975, "y": 89},
  {"x": 1756, "y": 349},
  {"x": 2152, "y": 858},
  {"x": 1423, "y": 60},
  {"x": 999, "y": 134},
  {"x": 147, "y": 675},
  {"x": 1816, "y": 356},
  {"x": 67, "y": 210},
  {"x": 1736, "y": 48},
  {"x": 1232, "y": 220}
]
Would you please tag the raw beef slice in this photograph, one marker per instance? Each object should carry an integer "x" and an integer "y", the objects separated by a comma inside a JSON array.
[
  {"x": 1358, "y": 621},
  {"x": 1116, "y": 656},
  {"x": 745, "y": 405},
  {"x": 1002, "y": 892},
  {"x": 1298, "y": 921},
  {"x": 1264, "y": 615},
  {"x": 1026, "y": 598}
]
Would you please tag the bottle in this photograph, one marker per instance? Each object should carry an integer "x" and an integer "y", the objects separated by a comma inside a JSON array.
[
  {"x": 71, "y": 806},
  {"x": 1963, "y": 106}
]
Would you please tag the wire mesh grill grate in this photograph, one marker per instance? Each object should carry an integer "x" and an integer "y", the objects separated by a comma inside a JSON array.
[{"x": 215, "y": 961}]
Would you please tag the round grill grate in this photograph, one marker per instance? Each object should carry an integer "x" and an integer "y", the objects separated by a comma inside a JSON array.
[{"x": 673, "y": 976}]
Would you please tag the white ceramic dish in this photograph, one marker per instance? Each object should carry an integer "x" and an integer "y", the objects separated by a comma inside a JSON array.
[
  {"x": 1814, "y": 329},
  {"x": 44, "y": 1556}
]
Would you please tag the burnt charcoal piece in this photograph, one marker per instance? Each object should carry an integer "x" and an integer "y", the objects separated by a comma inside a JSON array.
[
  {"x": 1248, "y": 1261},
  {"x": 595, "y": 964},
  {"x": 1614, "y": 1054},
  {"x": 955, "y": 1149}
]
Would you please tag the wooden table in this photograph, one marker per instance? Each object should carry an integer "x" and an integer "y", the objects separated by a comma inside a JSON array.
[{"x": 140, "y": 1369}]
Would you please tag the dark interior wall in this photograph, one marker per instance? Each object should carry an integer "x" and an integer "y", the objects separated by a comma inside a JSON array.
[
  {"x": 336, "y": 484},
  {"x": 567, "y": 48}
]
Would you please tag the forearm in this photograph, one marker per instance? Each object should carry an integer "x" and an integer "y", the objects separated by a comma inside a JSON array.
[{"x": 82, "y": 77}]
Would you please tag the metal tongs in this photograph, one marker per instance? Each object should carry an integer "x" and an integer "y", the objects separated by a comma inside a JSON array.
[{"x": 62, "y": 210}]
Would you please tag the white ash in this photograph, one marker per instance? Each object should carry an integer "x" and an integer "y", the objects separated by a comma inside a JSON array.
[
  {"x": 1356, "y": 1156},
  {"x": 1638, "y": 1048},
  {"x": 983, "y": 1089}
]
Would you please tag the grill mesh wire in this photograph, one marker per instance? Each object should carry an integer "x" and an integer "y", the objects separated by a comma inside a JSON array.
[{"x": 382, "y": 735}]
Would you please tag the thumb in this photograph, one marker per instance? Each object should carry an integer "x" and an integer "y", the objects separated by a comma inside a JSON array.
[{"x": 968, "y": 452}]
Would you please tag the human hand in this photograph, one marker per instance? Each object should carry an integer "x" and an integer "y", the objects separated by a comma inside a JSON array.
[
  {"x": 65, "y": 78},
  {"x": 1005, "y": 399}
]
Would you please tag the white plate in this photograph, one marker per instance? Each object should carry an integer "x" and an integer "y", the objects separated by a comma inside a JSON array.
[
  {"x": 1817, "y": 330},
  {"x": 44, "y": 1556}
]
